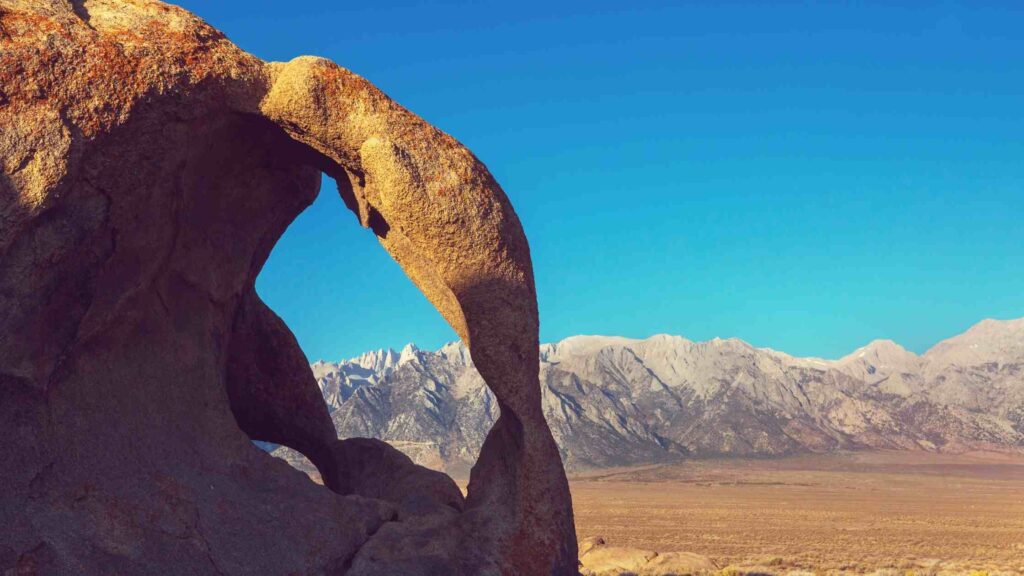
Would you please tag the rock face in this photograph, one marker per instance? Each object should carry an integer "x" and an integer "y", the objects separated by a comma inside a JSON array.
[
  {"x": 148, "y": 167},
  {"x": 616, "y": 401}
]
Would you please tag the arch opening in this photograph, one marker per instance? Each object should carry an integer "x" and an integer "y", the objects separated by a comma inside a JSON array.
[{"x": 384, "y": 375}]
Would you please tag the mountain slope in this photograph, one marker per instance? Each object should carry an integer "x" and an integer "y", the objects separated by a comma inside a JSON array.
[
  {"x": 981, "y": 370},
  {"x": 613, "y": 401}
]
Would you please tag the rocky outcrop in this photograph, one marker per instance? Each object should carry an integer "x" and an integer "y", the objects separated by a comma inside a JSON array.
[
  {"x": 148, "y": 167},
  {"x": 597, "y": 558}
]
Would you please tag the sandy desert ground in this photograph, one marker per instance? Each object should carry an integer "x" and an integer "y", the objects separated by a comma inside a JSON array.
[
  {"x": 895, "y": 513},
  {"x": 885, "y": 513}
]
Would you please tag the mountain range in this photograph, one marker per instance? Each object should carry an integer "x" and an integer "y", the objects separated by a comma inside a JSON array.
[{"x": 613, "y": 401}]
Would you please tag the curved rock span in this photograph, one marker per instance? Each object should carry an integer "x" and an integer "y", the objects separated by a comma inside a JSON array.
[{"x": 149, "y": 166}]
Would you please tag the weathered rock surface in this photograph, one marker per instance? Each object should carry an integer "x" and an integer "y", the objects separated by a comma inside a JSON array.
[{"x": 148, "y": 167}]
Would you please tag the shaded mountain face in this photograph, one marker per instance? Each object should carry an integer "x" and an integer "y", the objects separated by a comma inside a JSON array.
[{"x": 614, "y": 401}]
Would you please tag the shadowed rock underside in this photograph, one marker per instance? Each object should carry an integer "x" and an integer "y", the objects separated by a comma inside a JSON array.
[{"x": 149, "y": 166}]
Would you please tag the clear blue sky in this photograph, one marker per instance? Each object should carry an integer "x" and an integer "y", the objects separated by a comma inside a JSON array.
[{"x": 803, "y": 176}]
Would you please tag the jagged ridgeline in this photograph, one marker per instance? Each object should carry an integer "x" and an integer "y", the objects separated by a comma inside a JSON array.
[{"x": 616, "y": 401}]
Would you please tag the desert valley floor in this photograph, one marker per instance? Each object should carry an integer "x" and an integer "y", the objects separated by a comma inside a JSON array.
[
  {"x": 884, "y": 513},
  {"x": 857, "y": 512}
]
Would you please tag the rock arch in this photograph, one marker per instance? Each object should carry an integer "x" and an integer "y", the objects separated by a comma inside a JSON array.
[{"x": 149, "y": 166}]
